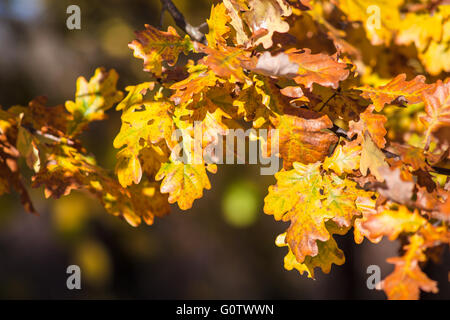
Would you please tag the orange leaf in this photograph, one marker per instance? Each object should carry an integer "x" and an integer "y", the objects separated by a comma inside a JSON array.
[
  {"x": 373, "y": 124},
  {"x": 225, "y": 62},
  {"x": 396, "y": 91},
  {"x": 407, "y": 279},
  {"x": 437, "y": 107},
  {"x": 317, "y": 68}
]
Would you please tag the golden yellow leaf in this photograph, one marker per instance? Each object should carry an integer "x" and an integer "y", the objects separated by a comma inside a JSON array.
[
  {"x": 345, "y": 158},
  {"x": 183, "y": 182},
  {"x": 217, "y": 24},
  {"x": 93, "y": 98},
  {"x": 308, "y": 199}
]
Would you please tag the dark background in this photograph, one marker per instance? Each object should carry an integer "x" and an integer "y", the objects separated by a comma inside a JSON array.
[{"x": 204, "y": 253}]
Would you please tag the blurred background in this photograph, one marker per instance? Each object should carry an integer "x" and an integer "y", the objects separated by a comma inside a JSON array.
[{"x": 223, "y": 248}]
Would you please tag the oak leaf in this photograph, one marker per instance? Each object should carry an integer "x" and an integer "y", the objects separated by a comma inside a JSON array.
[
  {"x": 301, "y": 136},
  {"x": 329, "y": 254},
  {"x": 371, "y": 124},
  {"x": 217, "y": 24},
  {"x": 226, "y": 62},
  {"x": 199, "y": 79},
  {"x": 437, "y": 107},
  {"x": 344, "y": 104},
  {"x": 396, "y": 91},
  {"x": 408, "y": 279},
  {"x": 10, "y": 175},
  {"x": 371, "y": 158},
  {"x": 234, "y": 8},
  {"x": 398, "y": 188},
  {"x": 387, "y": 222},
  {"x": 65, "y": 169},
  {"x": 184, "y": 182},
  {"x": 93, "y": 98},
  {"x": 345, "y": 158},
  {"x": 308, "y": 200},
  {"x": 155, "y": 47},
  {"x": 267, "y": 15},
  {"x": 143, "y": 124},
  {"x": 276, "y": 66},
  {"x": 317, "y": 68}
]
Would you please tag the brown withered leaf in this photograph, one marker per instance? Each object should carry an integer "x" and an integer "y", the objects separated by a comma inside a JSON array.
[
  {"x": 39, "y": 116},
  {"x": 301, "y": 4},
  {"x": 425, "y": 179},
  {"x": 426, "y": 200}
]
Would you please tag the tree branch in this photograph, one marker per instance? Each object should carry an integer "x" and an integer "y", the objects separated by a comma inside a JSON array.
[
  {"x": 193, "y": 32},
  {"x": 48, "y": 135}
]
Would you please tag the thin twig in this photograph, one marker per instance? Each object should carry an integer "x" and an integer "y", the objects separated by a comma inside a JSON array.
[
  {"x": 161, "y": 16},
  {"x": 203, "y": 25},
  {"x": 328, "y": 100},
  {"x": 48, "y": 135},
  {"x": 193, "y": 32}
]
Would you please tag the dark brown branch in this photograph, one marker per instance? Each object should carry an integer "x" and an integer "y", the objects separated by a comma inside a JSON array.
[
  {"x": 342, "y": 133},
  {"x": 440, "y": 170},
  {"x": 193, "y": 32}
]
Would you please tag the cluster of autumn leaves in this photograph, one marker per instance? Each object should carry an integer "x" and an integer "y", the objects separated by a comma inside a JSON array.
[{"x": 361, "y": 146}]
